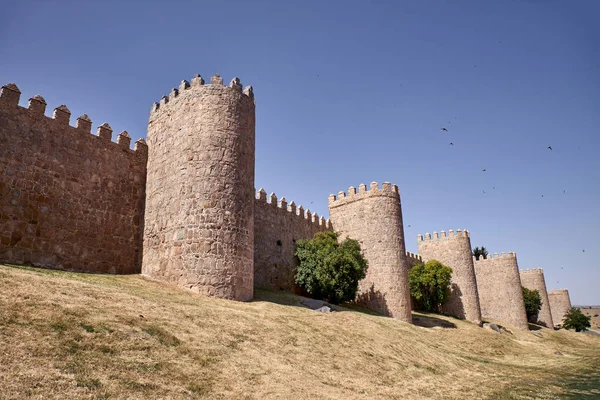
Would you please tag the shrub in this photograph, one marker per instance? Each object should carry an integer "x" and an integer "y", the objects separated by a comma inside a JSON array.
[
  {"x": 533, "y": 304},
  {"x": 575, "y": 319},
  {"x": 429, "y": 285},
  {"x": 330, "y": 270}
]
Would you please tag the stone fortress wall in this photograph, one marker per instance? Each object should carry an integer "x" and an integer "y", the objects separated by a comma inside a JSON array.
[
  {"x": 500, "y": 292},
  {"x": 412, "y": 259},
  {"x": 277, "y": 226},
  {"x": 76, "y": 201},
  {"x": 374, "y": 218},
  {"x": 560, "y": 303},
  {"x": 454, "y": 250},
  {"x": 68, "y": 199},
  {"x": 534, "y": 280},
  {"x": 199, "y": 224}
]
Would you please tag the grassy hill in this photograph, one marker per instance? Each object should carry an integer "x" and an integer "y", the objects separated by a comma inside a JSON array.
[{"x": 66, "y": 335}]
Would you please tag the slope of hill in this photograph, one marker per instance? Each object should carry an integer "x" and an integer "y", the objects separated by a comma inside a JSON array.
[{"x": 67, "y": 335}]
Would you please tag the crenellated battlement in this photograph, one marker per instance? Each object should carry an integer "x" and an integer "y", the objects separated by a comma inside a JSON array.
[
  {"x": 442, "y": 235},
  {"x": 537, "y": 271},
  {"x": 413, "y": 256},
  {"x": 496, "y": 256},
  {"x": 387, "y": 190},
  {"x": 61, "y": 116},
  {"x": 282, "y": 204},
  {"x": 216, "y": 82}
]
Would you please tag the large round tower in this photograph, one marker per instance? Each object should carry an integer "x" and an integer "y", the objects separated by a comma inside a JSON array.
[{"x": 199, "y": 217}]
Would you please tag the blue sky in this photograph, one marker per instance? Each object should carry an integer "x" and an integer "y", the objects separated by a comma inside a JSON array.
[{"x": 350, "y": 92}]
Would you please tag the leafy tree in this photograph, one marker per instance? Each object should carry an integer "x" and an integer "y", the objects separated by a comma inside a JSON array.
[
  {"x": 533, "y": 304},
  {"x": 429, "y": 285},
  {"x": 575, "y": 319},
  {"x": 328, "y": 269},
  {"x": 480, "y": 251}
]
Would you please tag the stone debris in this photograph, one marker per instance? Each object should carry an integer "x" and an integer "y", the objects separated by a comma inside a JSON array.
[
  {"x": 318, "y": 305},
  {"x": 492, "y": 327},
  {"x": 325, "y": 309}
]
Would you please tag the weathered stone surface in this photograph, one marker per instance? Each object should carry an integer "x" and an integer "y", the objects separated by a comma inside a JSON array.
[
  {"x": 374, "y": 218},
  {"x": 277, "y": 227},
  {"x": 500, "y": 290},
  {"x": 455, "y": 252},
  {"x": 534, "y": 280},
  {"x": 560, "y": 303},
  {"x": 199, "y": 224},
  {"x": 67, "y": 199}
]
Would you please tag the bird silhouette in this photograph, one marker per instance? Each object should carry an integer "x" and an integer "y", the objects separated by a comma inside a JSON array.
[
  {"x": 483, "y": 191},
  {"x": 494, "y": 188},
  {"x": 484, "y": 169},
  {"x": 550, "y": 147},
  {"x": 444, "y": 129},
  {"x": 451, "y": 144},
  {"x": 409, "y": 226},
  {"x": 583, "y": 251},
  {"x": 542, "y": 195}
]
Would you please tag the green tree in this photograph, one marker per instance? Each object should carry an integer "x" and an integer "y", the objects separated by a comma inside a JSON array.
[
  {"x": 328, "y": 269},
  {"x": 429, "y": 285},
  {"x": 479, "y": 252},
  {"x": 533, "y": 304},
  {"x": 575, "y": 319}
]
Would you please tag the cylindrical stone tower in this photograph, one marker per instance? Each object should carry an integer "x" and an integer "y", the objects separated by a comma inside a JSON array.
[
  {"x": 455, "y": 252},
  {"x": 534, "y": 280},
  {"x": 500, "y": 290},
  {"x": 560, "y": 303},
  {"x": 374, "y": 218},
  {"x": 199, "y": 220}
]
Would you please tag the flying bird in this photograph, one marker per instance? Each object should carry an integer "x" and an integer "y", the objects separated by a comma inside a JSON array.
[
  {"x": 409, "y": 226},
  {"x": 444, "y": 129},
  {"x": 542, "y": 195},
  {"x": 483, "y": 191},
  {"x": 451, "y": 144},
  {"x": 583, "y": 251},
  {"x": 550, "y": 147},
  {"x": 484, "y": 170}
]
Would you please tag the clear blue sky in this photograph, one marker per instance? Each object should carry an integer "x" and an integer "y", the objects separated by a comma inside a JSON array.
[{"x": 350, "y": 92}]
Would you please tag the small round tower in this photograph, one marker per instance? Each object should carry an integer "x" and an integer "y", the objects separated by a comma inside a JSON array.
[
  {"x": 560, "y": 304},
  {"x": 374, "y": 218},
  {"x": 199, "y": 219},
  {"x": 454, "y": 250},
  {"x": 534, "y": 280},
  {"x": 500, "y": 289}
]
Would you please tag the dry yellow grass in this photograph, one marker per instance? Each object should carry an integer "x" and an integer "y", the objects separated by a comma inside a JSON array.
[{"x": 66, "y": 335}]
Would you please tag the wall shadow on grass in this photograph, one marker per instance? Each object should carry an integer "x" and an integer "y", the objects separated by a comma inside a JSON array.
[{"x": 431, "y": 321}]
